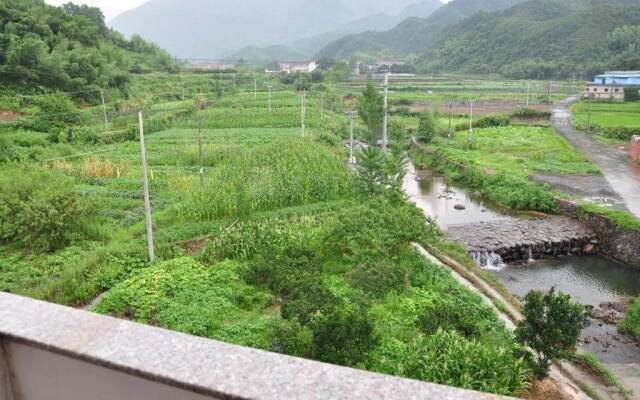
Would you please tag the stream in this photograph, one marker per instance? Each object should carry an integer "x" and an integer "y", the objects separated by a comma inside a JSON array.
[{"x": 592, "y": 280}]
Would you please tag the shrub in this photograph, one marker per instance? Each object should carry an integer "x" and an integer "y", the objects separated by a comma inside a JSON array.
[
  {"x": 344, "y": 336},
  {"x": 486, "y": 122},
  {"x": 631, "y": 322},
  {"x": 551, "y": 326},
  {"x": 373, "y": 229},
  {"x": 40, "y": 209}
]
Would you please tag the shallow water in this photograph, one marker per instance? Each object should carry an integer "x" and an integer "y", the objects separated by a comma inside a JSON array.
[
  {"x": 437, "y": 200},
  {"x": 589, "y": 279}
]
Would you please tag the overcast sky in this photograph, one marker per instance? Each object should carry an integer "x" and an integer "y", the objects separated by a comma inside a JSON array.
[{"x": 110, "y": 8}]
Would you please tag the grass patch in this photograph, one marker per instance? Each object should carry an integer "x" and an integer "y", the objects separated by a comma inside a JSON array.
[
  {"x": 622, "y": 218},
  {"x": 589, "y": 391},
  {"x": 594, "y": 366},
  {"x": 630, "y": 324}
]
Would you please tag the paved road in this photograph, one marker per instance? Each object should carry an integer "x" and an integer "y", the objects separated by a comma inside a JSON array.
[{"x": 621, "y": 173}]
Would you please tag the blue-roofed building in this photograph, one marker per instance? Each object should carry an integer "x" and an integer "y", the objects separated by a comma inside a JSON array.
[{"x": 611, "y": 85}]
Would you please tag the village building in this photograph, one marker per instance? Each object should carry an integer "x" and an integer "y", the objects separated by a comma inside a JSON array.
[
  {"x": 611, "y": 85},
  {"x": 298, "y": 66}
]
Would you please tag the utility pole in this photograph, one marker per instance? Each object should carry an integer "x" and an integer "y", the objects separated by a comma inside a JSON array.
[
  {"x": 269, "y": 87},
  {"x": 104, "y": 111},
  {"x": 528, "y": 89},
  {"x": 385, "y": 86},
  {"x": 589, "y": 116},
  {"x": 200, "y": 158},
  {"x": 470, "y": 124},
  {"x": 550, "y": 95},
  {"x": 255, "y": 88},
  {"x": 351, "y": 116},
  {"x": 449, "y": 123},
  {"x": 302, "y": 110},
  {"x": 145, "y": 184}
]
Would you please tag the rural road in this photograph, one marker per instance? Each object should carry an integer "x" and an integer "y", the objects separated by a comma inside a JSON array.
[{"x": 621, "y": 173}]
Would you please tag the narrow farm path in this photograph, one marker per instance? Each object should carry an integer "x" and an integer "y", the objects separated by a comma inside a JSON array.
[{"x": 622, "y": 174}]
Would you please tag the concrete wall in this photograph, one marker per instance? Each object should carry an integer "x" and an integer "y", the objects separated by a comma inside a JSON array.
[
  {"x": 614, "y": 242},
  {"x": 50, "y": 352}
]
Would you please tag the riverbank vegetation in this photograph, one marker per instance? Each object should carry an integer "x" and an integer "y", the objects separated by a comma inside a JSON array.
[
  {"x": 630, "y": 324},
  {"x": 498, "y": 162}
]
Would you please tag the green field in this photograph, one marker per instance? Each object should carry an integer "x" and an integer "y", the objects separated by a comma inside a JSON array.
[
  {"x": 609, "y": 114},
  {"x": 284, "y": 248}
]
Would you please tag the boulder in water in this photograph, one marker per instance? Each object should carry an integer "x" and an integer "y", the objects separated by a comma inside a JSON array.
[{"x": 459, "y": 207}]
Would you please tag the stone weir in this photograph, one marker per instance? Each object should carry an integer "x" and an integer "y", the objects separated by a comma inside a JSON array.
[{"x": 513, "y": 240}]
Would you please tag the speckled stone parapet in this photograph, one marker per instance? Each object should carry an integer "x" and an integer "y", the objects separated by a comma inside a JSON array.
[{"x": 196, "y": 364}]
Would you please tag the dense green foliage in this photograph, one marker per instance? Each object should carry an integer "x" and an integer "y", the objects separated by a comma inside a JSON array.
[
  {"x": 279, "y": 174},
  {"x": 499, "y": 161},
  {"x": 39, "y": 209},
  {"x": 565, "y": 37},
  {"x": 412, "y": 35},
  {"x": 631, "y": 322},
  {"x": 69, "y": 48},
  {"x": 551, "y": 326},
  {"x": 370, "y": 109}
]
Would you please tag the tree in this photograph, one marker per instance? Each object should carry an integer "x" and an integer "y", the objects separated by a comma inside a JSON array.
[
  {"x": 370, "y": 109},
  {"x": 428, "y": 126},
  {"x": 551, "y": 326}
]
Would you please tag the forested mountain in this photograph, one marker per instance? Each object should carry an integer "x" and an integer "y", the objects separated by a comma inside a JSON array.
[
  {"x": 211, "y": 28},
  {"x": 542, "y": 39},
  {"x": 265, "y": 54},
  {"x": 373, "y": 23},
  {"x": 411, "y": 36},
  {"x": 45, "y": 48}
]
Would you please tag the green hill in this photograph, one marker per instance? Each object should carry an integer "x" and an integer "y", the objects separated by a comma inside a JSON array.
[
  {"x": 544, "y": 39},
  {"x": 45, "y": 48},
  {"x": 413, "y": 35}
]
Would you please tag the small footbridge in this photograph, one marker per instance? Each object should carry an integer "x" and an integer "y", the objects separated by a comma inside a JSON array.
[{"x": 491, "y": 243}]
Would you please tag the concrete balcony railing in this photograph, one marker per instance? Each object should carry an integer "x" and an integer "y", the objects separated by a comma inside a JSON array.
[{"x": 50, "y": 352}]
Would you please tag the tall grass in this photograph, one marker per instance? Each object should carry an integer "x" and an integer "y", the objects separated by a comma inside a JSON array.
[{"x": 279, "y": 174}]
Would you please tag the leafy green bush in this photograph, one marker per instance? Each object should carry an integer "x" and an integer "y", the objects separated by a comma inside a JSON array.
[
  {"x": 486, "y": 122},
  {"x": 183, "y": 295},
  {"x": 55, "y": 112},
  {"x": 344, "y": 336},
  {"x": 39, "y": 209},
  {"x": 530, "y": 113},
  {"x": 551, "y": 326},
  {"x": 631, "y": 322},
  {"x": 373, "y": 229}
]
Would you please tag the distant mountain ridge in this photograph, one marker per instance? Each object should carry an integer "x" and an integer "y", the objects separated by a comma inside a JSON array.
[
  {"x": 412, "y": 35},
  {"x": 543, "y": 39},
  {"x": 210, "y": 28}
]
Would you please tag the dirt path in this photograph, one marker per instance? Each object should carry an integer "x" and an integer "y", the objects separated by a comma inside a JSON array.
[{"x": 620, "y": 172}]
